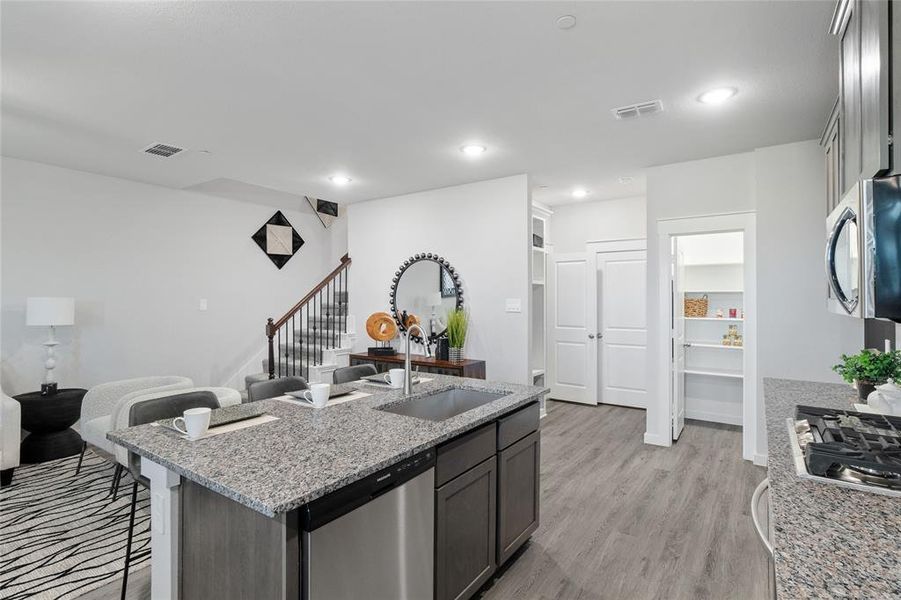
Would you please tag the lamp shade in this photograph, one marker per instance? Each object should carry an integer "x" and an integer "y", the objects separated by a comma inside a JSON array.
[{"x": 50, "y": 311}]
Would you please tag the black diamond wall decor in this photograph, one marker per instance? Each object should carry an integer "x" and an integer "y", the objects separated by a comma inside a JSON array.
[{"x": 278, "y": 239}]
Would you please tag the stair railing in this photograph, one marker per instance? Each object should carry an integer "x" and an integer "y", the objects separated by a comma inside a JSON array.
[{"x": 293, "y": 351}]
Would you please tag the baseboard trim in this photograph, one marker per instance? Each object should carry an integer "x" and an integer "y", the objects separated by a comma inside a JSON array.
[
  {"x": 703, "y": 415},
  {"x": 657, "y": 440}
]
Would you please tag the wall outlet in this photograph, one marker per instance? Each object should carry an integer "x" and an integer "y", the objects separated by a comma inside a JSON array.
[
  {"x": 202, "y": 305},
  {"x": 514, "y": 305}
]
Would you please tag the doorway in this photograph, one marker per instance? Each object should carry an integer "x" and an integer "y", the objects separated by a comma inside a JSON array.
[
  {"x": 706, "y": 343},
  {"x": 708, "y": 330}
]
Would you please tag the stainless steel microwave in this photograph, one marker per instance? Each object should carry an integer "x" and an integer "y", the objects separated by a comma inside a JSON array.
[{"x": 863, "y": 251}]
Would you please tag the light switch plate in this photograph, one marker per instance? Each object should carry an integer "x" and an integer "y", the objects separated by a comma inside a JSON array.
[
  {"x": 202, "y": 305},
  {"x": 514, "y": 305}
]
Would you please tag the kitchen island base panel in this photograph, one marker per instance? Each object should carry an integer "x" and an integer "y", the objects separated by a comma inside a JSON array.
[{"x": 232, "y": 552}]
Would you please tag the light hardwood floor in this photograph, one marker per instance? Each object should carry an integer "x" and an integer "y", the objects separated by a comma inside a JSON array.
[{"x": 623, "y": 520}]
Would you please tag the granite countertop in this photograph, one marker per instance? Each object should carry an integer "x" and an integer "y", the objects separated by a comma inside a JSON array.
[
  {"x": 282, "y": 464},
  {"x": 830, "y": 542}
]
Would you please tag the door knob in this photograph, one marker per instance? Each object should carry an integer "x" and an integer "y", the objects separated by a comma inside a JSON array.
[{"x": 590, "y": 336}]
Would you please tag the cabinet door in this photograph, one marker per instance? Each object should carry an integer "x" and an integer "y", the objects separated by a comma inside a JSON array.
[
  {"x": 832, "y": 155},
  {"x": 465, "y": 532},
  {"x": 875, "y": 152},
  {"x": 850, "y": 88},
  {"x": 518, "y": 491}
]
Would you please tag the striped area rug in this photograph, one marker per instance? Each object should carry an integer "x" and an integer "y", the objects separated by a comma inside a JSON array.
[{"x": 61, "y": 534}]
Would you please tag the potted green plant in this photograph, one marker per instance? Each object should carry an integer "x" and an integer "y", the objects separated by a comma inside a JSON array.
[
  {"x": 868, "y": 369},
  {"x": 457, "y": 324}
]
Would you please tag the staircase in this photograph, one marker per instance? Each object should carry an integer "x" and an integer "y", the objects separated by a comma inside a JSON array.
[{"x": 313, "y": 338}]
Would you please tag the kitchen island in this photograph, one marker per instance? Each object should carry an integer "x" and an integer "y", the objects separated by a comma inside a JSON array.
[
  {"x": 227, "y": 510},
  {"x": 829, "y": 541}
]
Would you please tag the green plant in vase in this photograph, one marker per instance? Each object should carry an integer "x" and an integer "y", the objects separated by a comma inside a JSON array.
[
  {"x": 457, "y": 324},
  {"x": 868, "y": 369}
]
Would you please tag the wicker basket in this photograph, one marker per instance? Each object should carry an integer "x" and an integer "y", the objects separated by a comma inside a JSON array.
[{"x": 696, "y": 307}]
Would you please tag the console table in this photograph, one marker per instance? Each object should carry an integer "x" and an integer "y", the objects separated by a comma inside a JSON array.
[{"x": 465, "y": 368}]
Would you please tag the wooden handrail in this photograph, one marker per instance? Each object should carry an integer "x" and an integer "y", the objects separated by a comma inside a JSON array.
[{"x": 272, "y": 327}]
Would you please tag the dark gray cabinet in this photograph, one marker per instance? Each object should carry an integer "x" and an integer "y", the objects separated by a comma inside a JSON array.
[
  {"x": 875, "y": 80},
  {"x": 831, "y": 142},
  {"x": 486, "y": 500},
  {"x": 865, "y": 116},
  {"x": 465, "y": 530},
  {"x": 850, "y": 96},
  {"x": 518, "y": 491}
]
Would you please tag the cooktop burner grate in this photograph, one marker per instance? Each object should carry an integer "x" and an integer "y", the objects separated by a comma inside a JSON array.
[{"x": 851, "y": 445}]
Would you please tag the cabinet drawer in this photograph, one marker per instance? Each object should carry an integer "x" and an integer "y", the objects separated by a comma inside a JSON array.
[
  {"x": 465, "y": 452},
  {"x": 518, "y": 425}
]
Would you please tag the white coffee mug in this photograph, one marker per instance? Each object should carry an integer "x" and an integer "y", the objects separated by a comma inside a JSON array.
[
  {"x": 317, "y": 395},
  {"x": 196, "y": 422},
  {"x": 395, "y": 378}
]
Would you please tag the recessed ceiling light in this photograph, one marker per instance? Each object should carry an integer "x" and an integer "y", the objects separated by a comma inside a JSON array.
[
  {"x": 473, "y": 149},
  {"x": 580, "y": 193},
  {"x": 626, "y": 179},
  {"x": 717, "y": 95},
  {"x": 339, "y": 179},
  {"x": 566, "y": 22}
]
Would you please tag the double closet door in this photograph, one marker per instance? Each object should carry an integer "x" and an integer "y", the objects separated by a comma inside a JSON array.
[{"x": 598, "y": 325}]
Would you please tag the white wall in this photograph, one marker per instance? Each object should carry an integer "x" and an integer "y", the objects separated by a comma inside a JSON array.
[
  {"x": 483, "y": 230},
  {"x": 714, "y": 248},
  {"x": 704, "y": 187},
  {"x": 574, "y": 224},
  {"x": 138, "y": 258},
  {"x": 797, "y": 336}
]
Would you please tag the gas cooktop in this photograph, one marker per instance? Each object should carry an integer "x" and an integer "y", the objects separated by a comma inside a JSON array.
[{"x": 854, "y": 449}]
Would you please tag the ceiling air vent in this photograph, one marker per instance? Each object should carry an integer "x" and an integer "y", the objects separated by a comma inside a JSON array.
[
  {"x": 642, "y": 109},
  {"x": 164, "y": 150}
]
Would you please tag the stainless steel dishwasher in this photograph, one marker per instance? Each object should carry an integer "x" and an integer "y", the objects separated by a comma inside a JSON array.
[{"x": 374, "y": 538}]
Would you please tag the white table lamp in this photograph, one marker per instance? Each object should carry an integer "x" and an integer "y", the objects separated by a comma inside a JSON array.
[{"x": 50, "y": 312}]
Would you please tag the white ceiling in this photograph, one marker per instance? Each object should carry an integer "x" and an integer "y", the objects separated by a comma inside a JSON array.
[{"x": 284, "y": 94}]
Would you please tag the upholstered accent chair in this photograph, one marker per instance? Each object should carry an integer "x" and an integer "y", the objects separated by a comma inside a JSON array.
[
  {"x": 10, "y": 437},
  {"x": 101, "y": 408}
]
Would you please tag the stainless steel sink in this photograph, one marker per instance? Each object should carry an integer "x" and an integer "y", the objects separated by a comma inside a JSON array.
[{"x": 441, "y": 405}]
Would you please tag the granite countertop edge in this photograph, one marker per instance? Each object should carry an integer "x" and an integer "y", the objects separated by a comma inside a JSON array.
[{"x": 517, "y": 397}]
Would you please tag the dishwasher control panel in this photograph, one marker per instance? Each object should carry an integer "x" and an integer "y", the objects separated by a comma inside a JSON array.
[{"x": 340, "y": 502}]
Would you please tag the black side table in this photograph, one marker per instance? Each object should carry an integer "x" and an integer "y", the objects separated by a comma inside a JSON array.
[{"x": 48, "y": 420}]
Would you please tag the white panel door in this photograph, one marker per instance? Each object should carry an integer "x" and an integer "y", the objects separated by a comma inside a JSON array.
[
  {"x": 622, "y": 316},
  {"x": 572, "y": 332},
  {"x": 678, "y": 340}
]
